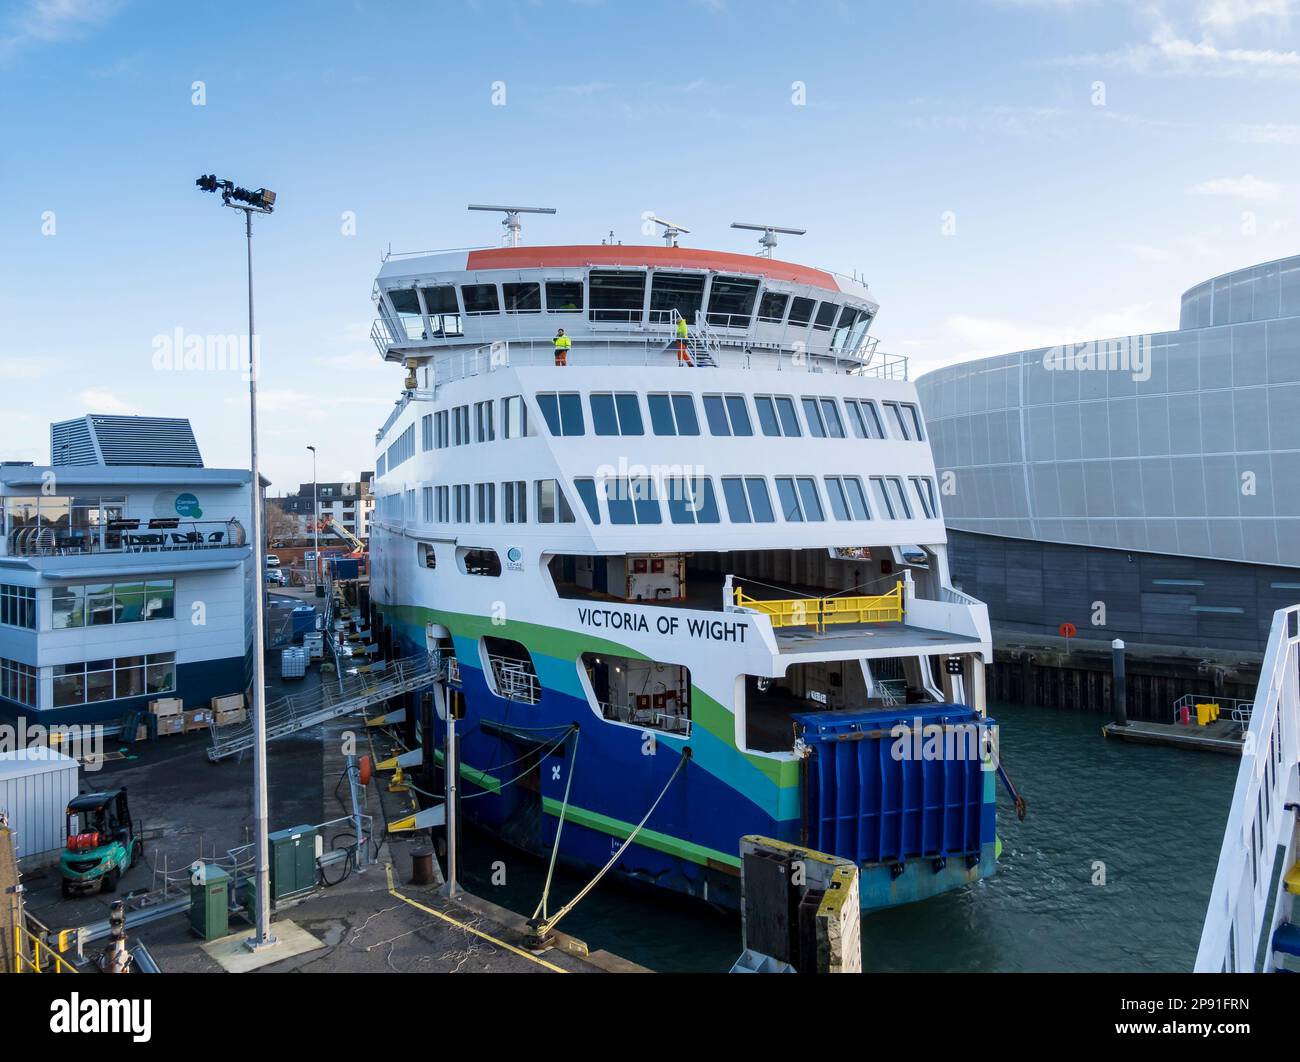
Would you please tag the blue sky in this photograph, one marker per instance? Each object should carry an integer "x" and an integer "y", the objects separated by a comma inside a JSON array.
[{"x": 1096, "y": 158}]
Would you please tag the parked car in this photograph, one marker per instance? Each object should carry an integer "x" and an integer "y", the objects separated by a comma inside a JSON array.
[
  {"x": 275, "y": 577},
  {"x": 272, "y": 561}
]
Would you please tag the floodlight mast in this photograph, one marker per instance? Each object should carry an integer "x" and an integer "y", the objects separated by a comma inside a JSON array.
[
  {"x": 768, "y": 240},
  {"x": 511, "y": 219},
  {"x": 671, "y": 231}
]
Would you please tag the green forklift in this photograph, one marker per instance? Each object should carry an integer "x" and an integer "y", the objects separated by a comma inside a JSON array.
[{"x": 103, "y": 843}]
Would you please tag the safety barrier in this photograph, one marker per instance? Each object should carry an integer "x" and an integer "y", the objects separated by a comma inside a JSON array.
[
  {"x": 819, "y": 611},
  {"x": 33, "y": 955}
]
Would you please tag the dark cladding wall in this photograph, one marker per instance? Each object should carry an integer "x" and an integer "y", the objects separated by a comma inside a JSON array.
[{"x": 1148, "y": 598}]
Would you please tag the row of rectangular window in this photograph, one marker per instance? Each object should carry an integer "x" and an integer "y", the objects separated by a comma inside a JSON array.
[
  {"x": 619, "y": 413},
  {"x": 111, "y": 680},
  {"x": 18, "y": 683},
  {"x": 451, "y": 427},
  {"x": 690, "y": 500},
  {"x": 620, "y": 295},
  {"x": 402, "y": 449}
]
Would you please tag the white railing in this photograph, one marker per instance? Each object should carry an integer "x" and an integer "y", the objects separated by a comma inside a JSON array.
[
  {"x": 1238, "y": 710},
  {"x": 515, "y": 680},
  {"x": 1248, "y": 879}
]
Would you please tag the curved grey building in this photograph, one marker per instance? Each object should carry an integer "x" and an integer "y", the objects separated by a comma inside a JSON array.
[{"x": 1157, "y": 474}]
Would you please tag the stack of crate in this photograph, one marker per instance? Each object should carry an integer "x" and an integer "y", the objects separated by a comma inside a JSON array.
[
  {"x": 229, "y": 710},
  {"x": 170, "y": 713}
]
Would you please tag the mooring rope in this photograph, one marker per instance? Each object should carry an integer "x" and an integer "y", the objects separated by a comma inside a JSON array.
[
  {"x": 548, "y": 924},
  {"x": 564, "y": 807}
]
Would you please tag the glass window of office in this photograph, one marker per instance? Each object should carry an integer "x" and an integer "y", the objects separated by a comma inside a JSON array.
[{"x": 18, "y": 606}]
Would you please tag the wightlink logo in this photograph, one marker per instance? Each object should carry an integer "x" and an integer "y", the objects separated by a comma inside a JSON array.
[
  {"x": 1131, "y": 354},
  {"x": 918, "y": 742},
  {"x": 77, "y": 1015}
]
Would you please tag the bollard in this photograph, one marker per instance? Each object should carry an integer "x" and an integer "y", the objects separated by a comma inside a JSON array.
[
  {"x": 1118, "y": 687},
  {"x": 422, "y": 866}
]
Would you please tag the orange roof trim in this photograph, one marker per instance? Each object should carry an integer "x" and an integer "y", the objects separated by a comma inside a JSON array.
[{"x": 655, "y": 257}]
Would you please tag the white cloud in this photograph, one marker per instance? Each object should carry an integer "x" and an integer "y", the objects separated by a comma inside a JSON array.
[
  {"x": 1268, "y": 133},
  {"x": 1229, "y": 15},
  {"x": 52, "y": 21},
  {"x": 1246, "y": 187},
  {"x": 104, "y": 402}
]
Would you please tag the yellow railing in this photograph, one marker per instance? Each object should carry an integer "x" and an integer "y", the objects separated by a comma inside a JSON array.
[
  {"x": 819, "y": 611},
  {"x": 33, "y": 955}
]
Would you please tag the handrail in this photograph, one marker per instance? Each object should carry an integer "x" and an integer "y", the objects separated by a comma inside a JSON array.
[
  {"x": 819, "y": 611},
  {"x": 1262, "y": 817},
  {"x": 23, "y": 940},
  {"x": 1238, "y": 708}
]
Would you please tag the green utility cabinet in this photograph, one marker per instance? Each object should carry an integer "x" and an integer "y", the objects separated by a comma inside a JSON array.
[
  {"x": 293, "y": 862},
  {"x": 209, "y": 903}
]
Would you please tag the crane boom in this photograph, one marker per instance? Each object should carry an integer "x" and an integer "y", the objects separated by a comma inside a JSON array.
[{"x": 358, "y": 547}]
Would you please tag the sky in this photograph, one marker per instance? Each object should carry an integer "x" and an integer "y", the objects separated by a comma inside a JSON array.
[{"x": 1004, "y": 174}]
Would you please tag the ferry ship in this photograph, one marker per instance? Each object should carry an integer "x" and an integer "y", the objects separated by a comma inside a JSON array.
[{"x": 684, "y": 578}]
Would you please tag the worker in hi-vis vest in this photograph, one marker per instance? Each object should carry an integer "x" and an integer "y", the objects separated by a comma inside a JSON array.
[
  {"x": 562, "y": 345},
  {"x": 682, "y": 359}
]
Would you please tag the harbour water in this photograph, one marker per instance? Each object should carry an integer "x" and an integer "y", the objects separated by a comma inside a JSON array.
[{"x": 1110, "y": 871}]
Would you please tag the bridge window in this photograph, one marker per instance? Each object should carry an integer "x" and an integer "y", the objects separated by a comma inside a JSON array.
[
  {"x": 616, "y": 414},
  {"x": 691, "y": 500},
  {"x": 825, "y": 316},
  {"x": 552, "y": 505},
  {"x": 888, "y": 491},
  {"x": 864, "y": 418},
  {"x": 522, "y": 298},
  {"x": 510, "y": 671},
  {"x": 801, "y": 311},
  {"x": 562, "y": 413},
  {"x": 727, "y": 415},
  {"x": 776, "y": 415},
  {"x": 444, "y": 313},
  {"x": 731, "y": 301},
  {"x": 683, "y": 292},
  {"x": 480, "y": 299},
  {"x": 908, "y": 419},
  {"x": 564, "y": 296},
  {"x": 406, "y": 304},
  {"x": 632, "y": 501},
  {"x": 848, "y": 499},
  {"x": 586, "y": 489},
  {"x": 771, "y": 307},
  {"x": 843, "y": 327},
  {"x": 514, "y": 501},
  {"x": 476, "y": 561},
  {"x": 616, "y": 295},
  {"x": 673, "y": 414},
  {"x": 924, "y": 487},
  {"x": 747, "y": 500}
]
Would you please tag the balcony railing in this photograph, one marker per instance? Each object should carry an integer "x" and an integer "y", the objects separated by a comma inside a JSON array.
[
  {"x": 819, "y": 612},
  {"x": 124, "y": 536}
]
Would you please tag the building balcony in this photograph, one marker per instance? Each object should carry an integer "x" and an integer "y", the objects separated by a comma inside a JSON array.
[{"x": 124, "y": 536}]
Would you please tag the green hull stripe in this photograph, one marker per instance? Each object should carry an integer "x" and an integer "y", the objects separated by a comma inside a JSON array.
[
  {"x": 660, "y": 842},
  {"x": 480, "y": 778}
]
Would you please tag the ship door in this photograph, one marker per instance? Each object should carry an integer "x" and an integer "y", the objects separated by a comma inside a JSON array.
[{"x": 600, "y": 574}]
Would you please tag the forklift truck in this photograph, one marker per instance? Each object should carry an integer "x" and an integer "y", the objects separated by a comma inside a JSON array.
[{"x": 103, "y": 843}]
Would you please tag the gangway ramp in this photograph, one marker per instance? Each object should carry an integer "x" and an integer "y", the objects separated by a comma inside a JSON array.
[{"x": 298, "y": 711}]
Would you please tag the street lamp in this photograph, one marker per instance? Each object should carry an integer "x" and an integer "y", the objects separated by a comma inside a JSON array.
[
  {"x": 315, "y": 525},
  {"x": 260, "y": 201}
]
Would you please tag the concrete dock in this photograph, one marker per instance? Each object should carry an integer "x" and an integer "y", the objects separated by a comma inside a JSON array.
[
  {"x": 1222, "y": 735},
  {"x": 374, "y": 920}
]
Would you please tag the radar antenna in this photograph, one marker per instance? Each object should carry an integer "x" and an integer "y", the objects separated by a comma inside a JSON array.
[
  {"x": 768, "y": 240},
  {"x": 671, "y": 231},
  {"x": 511, "y": 219}
]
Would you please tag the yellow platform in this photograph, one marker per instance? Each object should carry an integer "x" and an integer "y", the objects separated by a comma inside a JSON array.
[{"x": 1292, "y": 880}]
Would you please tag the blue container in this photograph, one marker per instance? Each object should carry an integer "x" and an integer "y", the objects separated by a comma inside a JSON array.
[{"x": 893, "y": 785}]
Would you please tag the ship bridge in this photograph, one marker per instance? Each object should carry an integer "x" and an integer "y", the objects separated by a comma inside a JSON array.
[{"x": 449, "y": 314}]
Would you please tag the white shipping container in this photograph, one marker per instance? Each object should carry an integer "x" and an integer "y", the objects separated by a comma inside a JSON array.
[{"x": 35, "y": 787}]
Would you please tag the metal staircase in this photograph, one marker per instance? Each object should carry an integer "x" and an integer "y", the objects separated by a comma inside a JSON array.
[
  {"x": 701, "y": 341},
  {"x": 298, "y": 711}
]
